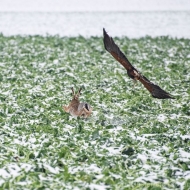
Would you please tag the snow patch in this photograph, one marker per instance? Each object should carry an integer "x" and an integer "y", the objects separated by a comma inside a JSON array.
[
  {"x": 51, "y": 169},
  {"x": 161, "y": 117},
  {"x": 99, "y": 187},
  {"x": 184, "y": 154}
]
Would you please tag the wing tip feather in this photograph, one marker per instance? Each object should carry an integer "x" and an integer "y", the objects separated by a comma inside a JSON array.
[
  {"x": 161, "y": 94},
  {"x": 168, "y": 96}
]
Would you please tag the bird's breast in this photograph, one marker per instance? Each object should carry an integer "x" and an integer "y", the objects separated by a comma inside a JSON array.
[{"x": 133, "y": 74}]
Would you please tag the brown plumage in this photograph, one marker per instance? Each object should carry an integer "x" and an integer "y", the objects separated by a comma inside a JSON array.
[{"x": 114, "y": 50}]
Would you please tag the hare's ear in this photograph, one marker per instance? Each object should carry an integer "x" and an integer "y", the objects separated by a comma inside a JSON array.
[
  {"x": 73, "y": 91},
  {"x": 79, "y": 91}
]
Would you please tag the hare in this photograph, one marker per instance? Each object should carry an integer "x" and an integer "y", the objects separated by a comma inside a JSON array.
[{"x": 75, "y": 108}]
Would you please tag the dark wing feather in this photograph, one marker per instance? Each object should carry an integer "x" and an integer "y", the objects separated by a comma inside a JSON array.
[
  {"x": 114, "y": 50},
  {"x": 154, "y": 89}
]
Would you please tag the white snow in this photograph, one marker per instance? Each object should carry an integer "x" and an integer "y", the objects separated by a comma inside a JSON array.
[
  {"x": 24, "y": 183},
  {"x": 185, "y": 137},
  {"x": 86, "y": 168},
  {"x": 94, "y": 168},
  {"x": 70, "y": 18},
  {"x": 143, "y": 158},
  {"x": 187, "y": 174},
  {"x": 51, "y": 169},
  {"x": 149, "y": 177},
  {"x": 13, "y": 169},
  {"x": 99, "y": 187},
  {"x": 184, "y": 154},
  {"x": 1, "y": 181},
  {"x": 111, "y": 116},
  {"x": 174, "y": 116},
  {"x": 27, "y": 167},
  {"x": 98, "y": 5},
  {"x": 56, "y": 61},
  {"x": 70, "y": 74},
  {"x": 161, "y": 117},
  {"x": 113, "y": 150},
  {"x": 4, "y": 173},
  {"x": 155, "y": 155}
]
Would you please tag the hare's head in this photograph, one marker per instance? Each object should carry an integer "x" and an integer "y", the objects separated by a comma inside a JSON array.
[{"x": 76, "y": 96}]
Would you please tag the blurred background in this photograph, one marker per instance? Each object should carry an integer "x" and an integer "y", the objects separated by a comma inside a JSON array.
[{"x": 133, "y": 19}]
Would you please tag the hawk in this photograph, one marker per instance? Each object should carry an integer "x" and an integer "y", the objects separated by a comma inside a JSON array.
[{"x": 133, "y": 73}]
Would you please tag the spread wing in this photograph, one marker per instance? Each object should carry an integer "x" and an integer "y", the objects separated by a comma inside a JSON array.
[{"x": 114, "y": 50}]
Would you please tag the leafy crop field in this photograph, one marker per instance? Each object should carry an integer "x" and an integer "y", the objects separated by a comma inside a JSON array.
[{"x": 131, "y": 141}]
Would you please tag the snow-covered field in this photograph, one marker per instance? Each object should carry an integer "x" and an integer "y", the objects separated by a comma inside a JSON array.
[
  {"x": 130, "y": 24},
  {"x": 131, "y": 141},
  {"x": 133, "y": 19}
]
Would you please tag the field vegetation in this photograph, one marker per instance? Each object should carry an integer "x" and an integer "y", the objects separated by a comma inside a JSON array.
[{"x": 131, "y": 141}]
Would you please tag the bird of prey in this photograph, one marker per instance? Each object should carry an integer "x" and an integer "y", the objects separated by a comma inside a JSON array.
[{"x": 133, "y": 73}]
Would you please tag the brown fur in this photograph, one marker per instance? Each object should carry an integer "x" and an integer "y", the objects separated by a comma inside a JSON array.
[{"x": 76, "y": 108}]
